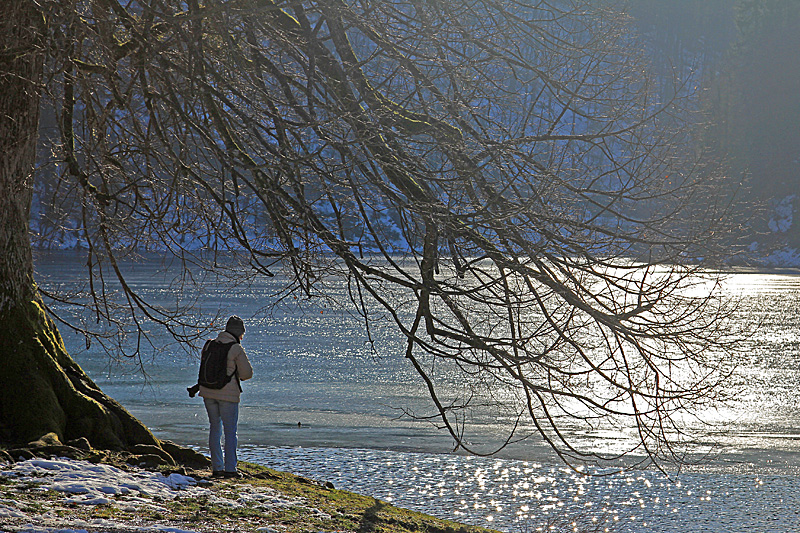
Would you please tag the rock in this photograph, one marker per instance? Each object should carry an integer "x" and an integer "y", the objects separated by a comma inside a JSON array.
[
  {"x": 147, "y": 449},
  {"x": 81, "y": 443},
  {"x": 48, "y": 445},
  {"x": 48, "y": 439},
  {"x": 177, "y": 470},
  {"x": 59, "y": 450},
  {"x": 21, "y": 454},
  {"x": 147, "y": 461},
  {"x": 186, "y": 456},
  {"x": 307, "y": 481},
  {"x": 98, "y": 456}
]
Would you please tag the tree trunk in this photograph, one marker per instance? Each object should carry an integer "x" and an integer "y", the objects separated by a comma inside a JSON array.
[{"x": 42, "y": 390}]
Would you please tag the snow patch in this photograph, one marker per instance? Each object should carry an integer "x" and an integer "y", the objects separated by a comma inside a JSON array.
[
  {"x": 785, "y": 257},
  {"x": 96, "y": 481},
  {"x": 85, "y": 483}
]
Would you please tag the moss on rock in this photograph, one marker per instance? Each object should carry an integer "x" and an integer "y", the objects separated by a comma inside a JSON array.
[{"x": 46, "y": 392}]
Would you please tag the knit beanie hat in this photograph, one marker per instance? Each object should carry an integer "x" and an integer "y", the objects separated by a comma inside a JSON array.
[{"x": 235, "y": 326}]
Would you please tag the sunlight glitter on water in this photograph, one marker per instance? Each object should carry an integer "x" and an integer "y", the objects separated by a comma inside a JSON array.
[{"x": 525, "y": 496}]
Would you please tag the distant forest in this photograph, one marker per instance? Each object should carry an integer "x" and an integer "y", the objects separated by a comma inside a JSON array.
[
  {"x": 746, "y": 56},
  {"x": 741, "y": 57}
]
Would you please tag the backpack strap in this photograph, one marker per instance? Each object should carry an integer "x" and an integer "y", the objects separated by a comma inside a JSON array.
[
  {"x": 236, "y": 375},
  {"x": 205, "y": 347},
  {"x": 236, "y": 368}
]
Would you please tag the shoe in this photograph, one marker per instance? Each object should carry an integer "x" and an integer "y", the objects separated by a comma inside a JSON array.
[
  {"x": 218, "y": 473},
  {"x": 234, "y": 474}
]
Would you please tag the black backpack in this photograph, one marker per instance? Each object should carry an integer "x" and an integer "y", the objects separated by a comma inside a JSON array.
[{"x": 213, "y": 372}]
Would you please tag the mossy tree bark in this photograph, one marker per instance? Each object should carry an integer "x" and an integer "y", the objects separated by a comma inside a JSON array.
[{"x": 43, "y": 390}]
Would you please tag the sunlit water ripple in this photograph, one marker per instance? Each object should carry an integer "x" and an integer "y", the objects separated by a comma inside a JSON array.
[{"x": 515, "y": 495}]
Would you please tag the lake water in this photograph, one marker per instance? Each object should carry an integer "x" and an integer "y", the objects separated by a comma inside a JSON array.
[{"x": 313, "y": 367}]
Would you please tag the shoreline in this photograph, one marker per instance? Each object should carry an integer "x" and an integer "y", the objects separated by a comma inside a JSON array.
[
  {"x": 33, "y": 499},
  {"x": 104, "y": 493}
]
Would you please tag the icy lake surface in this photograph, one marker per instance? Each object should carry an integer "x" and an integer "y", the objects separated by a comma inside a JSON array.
[{"x": 321, "y": 404}]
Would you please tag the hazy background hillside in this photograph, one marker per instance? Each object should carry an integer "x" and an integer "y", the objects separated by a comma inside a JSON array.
[
  {"x": 740, "y": 59},
  {"x": 744, "y": 56}
]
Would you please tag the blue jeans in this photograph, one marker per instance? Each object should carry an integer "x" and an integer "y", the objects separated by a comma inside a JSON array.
[{"x": 221, "y": 415}]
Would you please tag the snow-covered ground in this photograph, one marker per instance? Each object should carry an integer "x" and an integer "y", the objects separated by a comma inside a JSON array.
[{"x": 86, "y": 484}]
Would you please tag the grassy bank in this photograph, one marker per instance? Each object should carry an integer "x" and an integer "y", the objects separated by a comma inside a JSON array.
[
  {"x": 325, "y": 509},
  {"x": 263, "y": 501}
]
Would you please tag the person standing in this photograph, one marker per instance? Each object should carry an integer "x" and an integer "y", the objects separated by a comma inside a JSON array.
[{"x": 222, "y": 405}]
